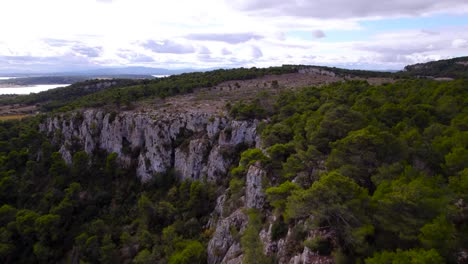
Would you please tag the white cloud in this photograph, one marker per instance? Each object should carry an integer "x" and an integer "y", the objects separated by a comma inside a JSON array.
[
  {"x": 211, "y": 33},
  {"x": 318, "y": 34},
  {"x": 256, "y": 52},
  {"x": 327, "y": 9},
  {"x": 459, "y": 43}
]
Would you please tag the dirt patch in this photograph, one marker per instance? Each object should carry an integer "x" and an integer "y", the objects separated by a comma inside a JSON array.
[
  {"x": 214, "y": 99},
  {"x": 17, "y": 109},
  {"x": 12, "y": 117}
]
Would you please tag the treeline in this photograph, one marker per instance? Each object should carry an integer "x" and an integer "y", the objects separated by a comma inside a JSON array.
[
  {"x": 125, "y": 92},
  {"x": 173, "y": 85},
  {"x": 453, "y": 68},
  {"x": 94, "y": 93},
  {"x": 380, "y": 171},
  {"x": 93, "y": 211},
  {"x": 58, "y": 97},
  {"x": 23, "y": 81}
]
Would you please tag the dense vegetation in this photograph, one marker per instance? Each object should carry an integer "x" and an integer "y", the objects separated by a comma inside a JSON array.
[
  {"x": 93, "y": 211},
  {"x": 384, "y": 169},
  {"x": 22, "y": 81},
  {"x": 453, "y": 68},
  {"x": 59, "y": 97},
  {"x": 126, "y": 91}
]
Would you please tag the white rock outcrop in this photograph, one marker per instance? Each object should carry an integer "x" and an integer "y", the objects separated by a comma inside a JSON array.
[{"x": 196, "y": 145}]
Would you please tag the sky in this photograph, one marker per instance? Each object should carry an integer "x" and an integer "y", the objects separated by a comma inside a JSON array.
[{"x": 68, "y": 35}]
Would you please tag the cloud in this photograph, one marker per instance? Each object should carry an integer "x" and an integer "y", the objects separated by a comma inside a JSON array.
[
  {"x": 318, "y": 34},
  {"x": 77, "y": 47},
  {"x": 397, "y": 49},
  {"x": 256, "y": 52},
  {"x": 104, "y": 1},
  {"x": 231, "y": 38},
  {"x": 329, "y": 9},
  {"x": 65, "y": 62},
  {"x": 204, "y": 50},
  {"x": 406, "y": 43},
  {"x": 134, "y": 57},
  {"x": 225, "y": 51},
  {"x": 459, "y": 43},
  {"x": 58, "y": 42},
  {"x": 168, "y": 46},
  {"x": 92, "y": 52}
]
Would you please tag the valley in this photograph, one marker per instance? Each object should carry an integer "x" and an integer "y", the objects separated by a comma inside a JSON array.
[{"x": 291, "y": 164}]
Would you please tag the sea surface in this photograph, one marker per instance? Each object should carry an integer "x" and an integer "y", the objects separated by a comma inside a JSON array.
[{"x": 30, "y": 89}]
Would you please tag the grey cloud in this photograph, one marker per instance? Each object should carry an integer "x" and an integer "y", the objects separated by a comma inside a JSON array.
[
  {"x": 91, "y": 52},
  {"x": 204, "y": 50},
  {"x": 134, "y": 56},
  {"x": 62, "y": 63},
  {"x": 209, "y": 59},
  {"x": 168, "y": 46},
  {"x": 231, "y": 38},
  {"x": 430, "y": 32},
  {"x": 404, "y": 49},
  {"x": 226, "y": 52},
  {"x": 318, "y": 34},
  {"x": 330, "y": 9},
  {"x": 460, "y": 43},
  {"x": 256, "y": 52},
  {"x": 58, "y": 42},
  {"x": 75, "y": 46}
]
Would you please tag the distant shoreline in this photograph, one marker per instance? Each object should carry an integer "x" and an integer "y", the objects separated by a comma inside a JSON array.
[{"x": 27, "y": 89}]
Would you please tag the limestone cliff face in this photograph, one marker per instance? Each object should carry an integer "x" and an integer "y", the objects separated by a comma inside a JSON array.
[
  {"x": 196, "y": 145},
  {"x": 224, "y": 246}
]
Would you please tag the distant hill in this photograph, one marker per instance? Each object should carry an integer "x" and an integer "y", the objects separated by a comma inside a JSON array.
[
  {"x": 452, "y": 68},
  {"x": 65, "y": 79},
  {"x": 134, "y": 70},
  {"x": 123, "y": 72}
]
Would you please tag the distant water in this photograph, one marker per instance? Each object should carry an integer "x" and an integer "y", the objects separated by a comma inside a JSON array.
[
  {"x": 6, "y": 78},
  {"x": 160, "y": 76},
  {"x": 30, "y": 89}
]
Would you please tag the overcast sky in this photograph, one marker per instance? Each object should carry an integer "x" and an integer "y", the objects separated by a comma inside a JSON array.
[{"x": 62, "y": 35}]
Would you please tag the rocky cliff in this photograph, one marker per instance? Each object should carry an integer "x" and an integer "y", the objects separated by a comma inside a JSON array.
[{"x": 195, "y": 145}]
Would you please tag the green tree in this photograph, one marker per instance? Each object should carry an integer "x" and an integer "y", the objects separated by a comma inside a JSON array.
[
  {"x": 416, "y": 256},
  {"x": 403, "y": 206},
  {"x": 80, "y": 165},
  {"x": 192, "y": 252},
  {"x": 338, "y": 202},
  {"x": 108, "y": 251},
  {"x": 252, "y": 246}
]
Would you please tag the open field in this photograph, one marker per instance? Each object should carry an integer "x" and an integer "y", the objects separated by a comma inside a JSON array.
[
  {"x": 12, "y": 117},
  {"x": 214, "y": 99}
]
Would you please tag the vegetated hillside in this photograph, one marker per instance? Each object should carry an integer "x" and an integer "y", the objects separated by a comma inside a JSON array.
[
  {"x": 345, "y": 172},
  {"x": 23, "y": 81},
  {"x": 126, "y": 92},
  {"x": 452, "y": 68},
  {"x": 58, "y": 97},
  {"x": 26, "y": 81}
]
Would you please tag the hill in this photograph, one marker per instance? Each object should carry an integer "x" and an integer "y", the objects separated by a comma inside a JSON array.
[
  {"x": 125, "y": 92},
  {"x": 277, "y": 165},
  {"x": 451, "y": 68}
]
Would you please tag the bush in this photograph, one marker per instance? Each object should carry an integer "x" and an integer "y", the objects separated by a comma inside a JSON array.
[
  {"x": 320, "y": 245},
  {"x": 279, "y": 229}
]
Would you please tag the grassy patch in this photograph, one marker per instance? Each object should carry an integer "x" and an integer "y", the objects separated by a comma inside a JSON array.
[{"x": 12, "y": 117}]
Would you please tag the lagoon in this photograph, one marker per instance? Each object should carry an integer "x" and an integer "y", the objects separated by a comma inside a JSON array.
[{"x": 30, "y": 89}]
